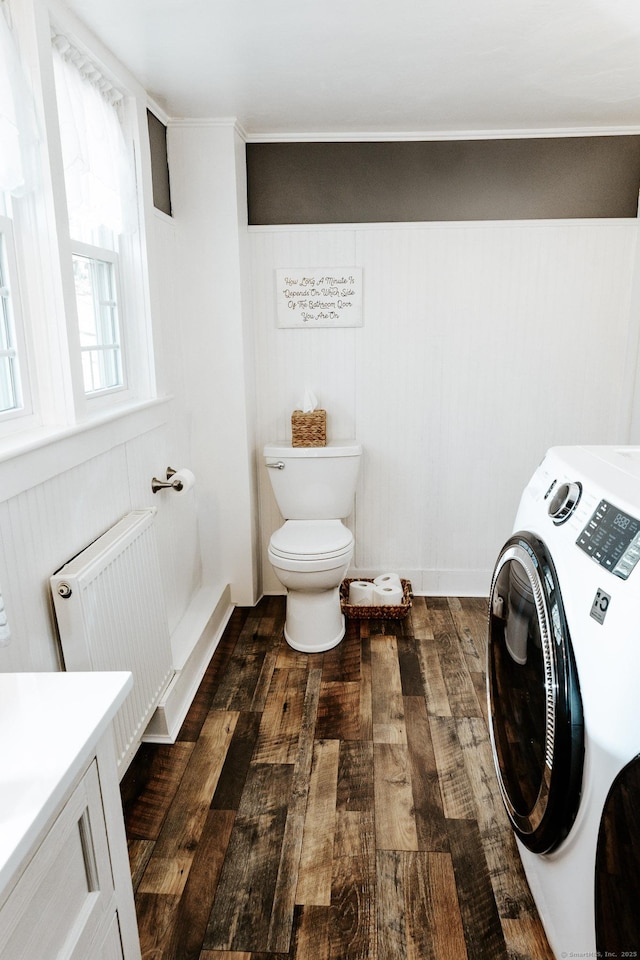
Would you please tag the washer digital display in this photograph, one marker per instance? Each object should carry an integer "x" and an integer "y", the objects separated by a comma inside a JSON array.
[{"x": 612, "y": 539}]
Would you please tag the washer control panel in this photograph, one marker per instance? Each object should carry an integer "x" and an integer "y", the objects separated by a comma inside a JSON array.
[{"x": 612, "y": 539}]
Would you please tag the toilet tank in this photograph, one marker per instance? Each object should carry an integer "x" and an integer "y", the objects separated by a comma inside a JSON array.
[{"x": 314, "y": 483}]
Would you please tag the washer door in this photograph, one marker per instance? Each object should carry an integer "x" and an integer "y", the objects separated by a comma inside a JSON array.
[
  {"x": 534, "y": 701},
  {"x": 618, "y": 868}
]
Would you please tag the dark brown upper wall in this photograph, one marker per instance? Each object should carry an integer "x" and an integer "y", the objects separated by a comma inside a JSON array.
[
  {"x": 159, "y": 164},
  {"x": 373, "y": 182}
]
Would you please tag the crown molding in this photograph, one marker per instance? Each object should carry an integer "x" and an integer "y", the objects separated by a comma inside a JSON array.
[
  {"x": 209, "y": 122},
  {"x": 395, "y": 136},
  {"x": 507, "y": 134}
]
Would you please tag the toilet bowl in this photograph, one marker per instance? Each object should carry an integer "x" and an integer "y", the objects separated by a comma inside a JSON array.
[
  {"x": 310, "y": 558},
  {"x": 311, "y": 552}
]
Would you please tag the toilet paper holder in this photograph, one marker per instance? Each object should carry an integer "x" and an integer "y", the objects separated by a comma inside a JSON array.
[{"x": 169, "y": 483}]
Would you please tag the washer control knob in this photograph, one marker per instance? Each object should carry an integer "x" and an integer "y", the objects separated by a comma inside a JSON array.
[{"x": 564, "y": 501}]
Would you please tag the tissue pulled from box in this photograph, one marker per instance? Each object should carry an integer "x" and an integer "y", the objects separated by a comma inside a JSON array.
[{"x": 309, "y": 402}]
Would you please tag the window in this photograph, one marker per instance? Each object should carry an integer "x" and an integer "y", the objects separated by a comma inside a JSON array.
[
  {"x": 17, "y": 135},
  {"x": 97, "y": 173},
  {"x": 79, "y": 345},
  {"x": 14, "y": 388},
  {"x": 97, "y": 301},
  {"x": 10, "y": 387}
]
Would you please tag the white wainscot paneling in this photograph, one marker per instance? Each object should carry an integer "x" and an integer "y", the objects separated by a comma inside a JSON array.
[
  {"x": 537, "y": 341},
  {"x": 176, "y": 521},
  {"x": 482, "y": 345}
]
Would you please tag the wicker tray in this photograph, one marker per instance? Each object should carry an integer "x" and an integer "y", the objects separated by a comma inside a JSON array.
[
  {"x": 309, "y": 429},
  {"x": 386, "y": 611}
]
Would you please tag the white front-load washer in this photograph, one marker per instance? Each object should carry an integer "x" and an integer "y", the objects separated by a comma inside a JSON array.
[{"x": 563, "y": 686}]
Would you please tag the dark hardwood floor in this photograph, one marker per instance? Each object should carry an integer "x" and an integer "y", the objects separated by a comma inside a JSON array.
[{"x": 332, "y": 806}]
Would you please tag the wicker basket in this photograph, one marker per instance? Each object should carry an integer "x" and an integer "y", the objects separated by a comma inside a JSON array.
[
  {"x": 386, "y": 611},
  {"x": 309, "y": 429}
]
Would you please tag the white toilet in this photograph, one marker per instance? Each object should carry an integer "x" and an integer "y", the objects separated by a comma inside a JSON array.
[{"x": 310, "y": 553}]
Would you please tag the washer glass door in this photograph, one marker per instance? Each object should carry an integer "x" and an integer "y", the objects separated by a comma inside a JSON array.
[
  {"x": 534, "y": 701},
  {"x": 618, "y": 868}
]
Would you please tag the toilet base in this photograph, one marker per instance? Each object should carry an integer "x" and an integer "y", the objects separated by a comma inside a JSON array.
[{"x": 314, "y": 620}]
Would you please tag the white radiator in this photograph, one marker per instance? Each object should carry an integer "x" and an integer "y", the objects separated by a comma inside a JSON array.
[{"x": 111, "y": 615}]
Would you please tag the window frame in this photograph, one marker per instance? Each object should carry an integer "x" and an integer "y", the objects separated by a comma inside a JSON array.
[
  {"x": 14, "y": 418},
  {"x": 106, "y": 255}
]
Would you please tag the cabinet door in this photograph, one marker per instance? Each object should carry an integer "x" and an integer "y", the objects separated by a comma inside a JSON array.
[
  {"x": 62, "y": 897},
  {"x": 111, "y": 947}
]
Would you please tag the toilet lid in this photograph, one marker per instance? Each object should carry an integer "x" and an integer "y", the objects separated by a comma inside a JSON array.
[{"x": 311, "y": 538}]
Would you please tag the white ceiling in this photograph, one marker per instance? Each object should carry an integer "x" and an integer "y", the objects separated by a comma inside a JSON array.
[{"x": 382, "y": 67}]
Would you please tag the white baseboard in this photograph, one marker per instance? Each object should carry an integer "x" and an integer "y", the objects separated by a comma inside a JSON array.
[{"x": 193, "y": 644}]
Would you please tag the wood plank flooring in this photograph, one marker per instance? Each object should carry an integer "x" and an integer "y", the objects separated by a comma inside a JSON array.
[{"x": 332, "y": 806}]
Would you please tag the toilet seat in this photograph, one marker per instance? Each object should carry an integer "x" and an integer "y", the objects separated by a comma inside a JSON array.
[{"x": 311, "y": 540}]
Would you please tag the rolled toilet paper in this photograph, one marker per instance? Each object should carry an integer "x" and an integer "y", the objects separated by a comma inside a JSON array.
[
  {"x": 361, "y": 593},
  {"x": 388, "y": 593},
  {"x": 183, "y": 480},
  {"x": 388, "y": 580}
]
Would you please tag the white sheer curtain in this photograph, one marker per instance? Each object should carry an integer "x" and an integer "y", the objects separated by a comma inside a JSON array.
[
  {"x": 96, "y": 162},
  {"x": 18, "y": 126}
]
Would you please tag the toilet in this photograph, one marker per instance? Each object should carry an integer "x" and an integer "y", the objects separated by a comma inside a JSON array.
[{"x": 311, "y": 552}]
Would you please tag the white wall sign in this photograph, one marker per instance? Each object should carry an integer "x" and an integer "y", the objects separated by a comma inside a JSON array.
[{"x": 329, "y": 297}]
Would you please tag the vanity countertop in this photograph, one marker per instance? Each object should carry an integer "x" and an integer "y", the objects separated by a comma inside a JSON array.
[{"x": 49, "y": 725}]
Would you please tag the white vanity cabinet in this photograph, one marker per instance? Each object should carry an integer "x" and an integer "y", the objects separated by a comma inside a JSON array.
[{"x": 65, "y": 884}]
